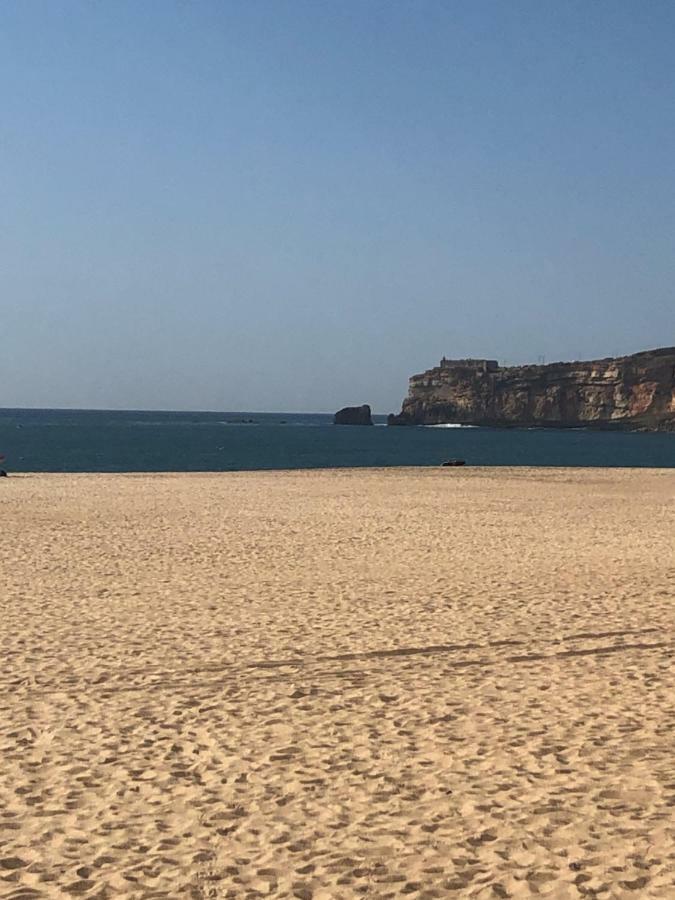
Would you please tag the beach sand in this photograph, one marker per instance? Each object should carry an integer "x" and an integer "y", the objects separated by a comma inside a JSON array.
[{"x": 376, "y": 683}]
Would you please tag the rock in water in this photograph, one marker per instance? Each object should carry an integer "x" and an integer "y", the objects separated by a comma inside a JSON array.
[
  {"x": 353, "y": 415},
  {"x": 631, "y": 392}
]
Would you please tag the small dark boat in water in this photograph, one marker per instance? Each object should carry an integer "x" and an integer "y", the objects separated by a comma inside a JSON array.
[{"x": 454, "y": 462}]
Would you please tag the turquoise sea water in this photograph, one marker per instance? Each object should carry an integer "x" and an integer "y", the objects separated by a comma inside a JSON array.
[{"x": 103, "y": 441}]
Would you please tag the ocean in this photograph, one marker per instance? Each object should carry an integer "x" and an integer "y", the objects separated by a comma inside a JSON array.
[{"x": 43, "y": 440}]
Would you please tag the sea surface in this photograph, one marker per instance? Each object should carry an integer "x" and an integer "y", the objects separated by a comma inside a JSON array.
[{"x": 41, "y": 440}]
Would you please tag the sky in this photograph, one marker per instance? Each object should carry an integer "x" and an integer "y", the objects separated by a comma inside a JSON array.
[{"x": 292, "y": 205}]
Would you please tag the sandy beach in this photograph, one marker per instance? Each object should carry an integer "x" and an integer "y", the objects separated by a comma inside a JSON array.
[{"x": 376, "y": 683}]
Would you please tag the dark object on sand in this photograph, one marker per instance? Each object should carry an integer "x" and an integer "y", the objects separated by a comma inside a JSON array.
[
  {"x": 454, "y": 462},
  {"x": 3, "y": 474},
  {"x": 353, "y": 415}
]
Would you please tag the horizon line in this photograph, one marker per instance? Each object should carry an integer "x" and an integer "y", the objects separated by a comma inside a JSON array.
[{"x": 254, "y": 412}]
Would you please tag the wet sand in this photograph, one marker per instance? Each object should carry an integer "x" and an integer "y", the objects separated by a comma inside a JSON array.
[{"x": 411, "y": 682}]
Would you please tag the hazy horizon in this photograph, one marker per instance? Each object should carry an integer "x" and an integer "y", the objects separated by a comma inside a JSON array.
[
  {"x": 271, "y": 412},
  {"x": 295, "y": 206}
]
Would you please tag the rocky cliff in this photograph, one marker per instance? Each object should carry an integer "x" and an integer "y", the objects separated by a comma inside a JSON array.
[{"x": 633, "y": 392}]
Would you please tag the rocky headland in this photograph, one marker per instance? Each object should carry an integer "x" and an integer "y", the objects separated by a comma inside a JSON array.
[{"x": 629, "y": 392}]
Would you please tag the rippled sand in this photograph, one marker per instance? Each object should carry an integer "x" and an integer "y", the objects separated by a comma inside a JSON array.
[{"x": 424, "y": 683}]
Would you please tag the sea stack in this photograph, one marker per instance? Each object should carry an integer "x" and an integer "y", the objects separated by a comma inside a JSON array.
[{"x": 353, "y": 415}]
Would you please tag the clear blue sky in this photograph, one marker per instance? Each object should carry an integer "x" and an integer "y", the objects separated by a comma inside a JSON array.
[{"x": 294, "y": 205}]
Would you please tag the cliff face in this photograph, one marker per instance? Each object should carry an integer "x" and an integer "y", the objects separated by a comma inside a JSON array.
[{"x": 633, "y": 392}]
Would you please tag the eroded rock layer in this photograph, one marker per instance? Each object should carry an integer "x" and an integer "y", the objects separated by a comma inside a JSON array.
[{"x": 636, "y": 392}]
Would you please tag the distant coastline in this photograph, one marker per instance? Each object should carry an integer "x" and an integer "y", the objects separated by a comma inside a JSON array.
[{"x": 635, "y": 392}]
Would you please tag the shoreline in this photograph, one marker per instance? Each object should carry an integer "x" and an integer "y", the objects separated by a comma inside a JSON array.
[{"x": 456, "y": 471}]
